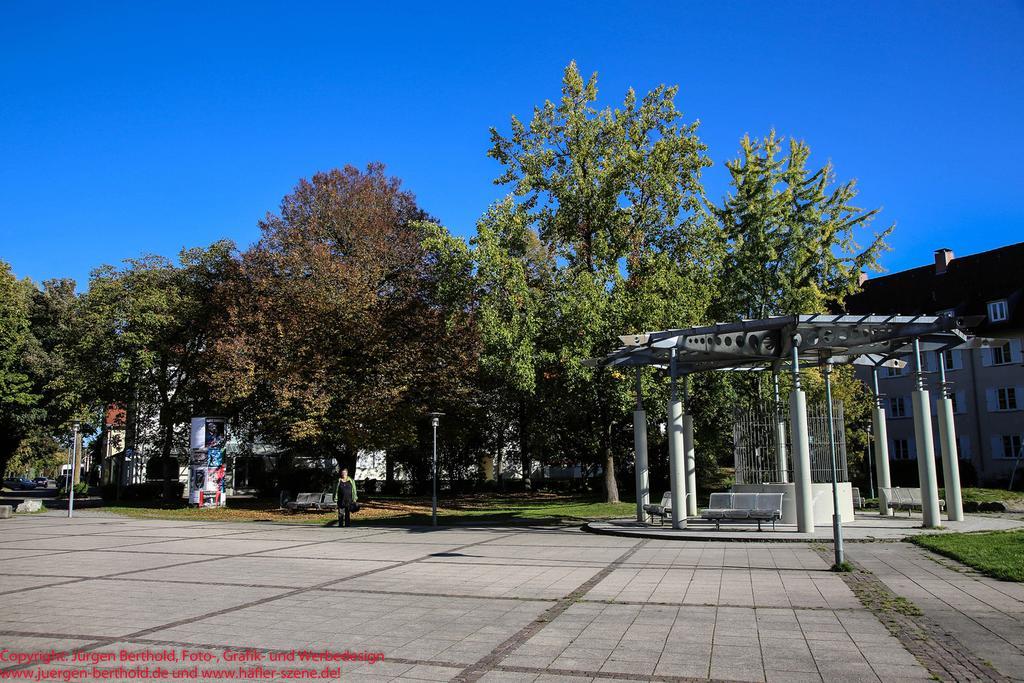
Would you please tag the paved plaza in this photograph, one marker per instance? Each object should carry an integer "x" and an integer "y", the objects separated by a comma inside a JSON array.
[{"x": 496, "y": 603}]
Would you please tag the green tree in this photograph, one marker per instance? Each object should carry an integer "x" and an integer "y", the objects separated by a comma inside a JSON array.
[
  {"x": 19, "y": 404},
  {"x": 615, "y": 195},
  {"x": 790, "y": 234},
  {"x": 514, "y": 274},
  {"x": 347, "y": 321},
  {"x": 145, "y": 331}
]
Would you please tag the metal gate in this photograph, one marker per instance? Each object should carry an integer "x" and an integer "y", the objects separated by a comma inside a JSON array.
[{"x": 755, "y": 447}]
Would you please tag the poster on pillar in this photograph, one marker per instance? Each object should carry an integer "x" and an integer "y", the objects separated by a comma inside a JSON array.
[{"x": 197, "y": 467}]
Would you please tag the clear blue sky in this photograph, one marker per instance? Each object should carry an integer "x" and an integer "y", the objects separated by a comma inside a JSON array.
[{"x": 137, "y": 127}]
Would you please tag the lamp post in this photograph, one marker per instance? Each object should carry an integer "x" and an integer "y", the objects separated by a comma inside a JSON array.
[
  {"x": 837, "y": 525},
  {"x": 434, "y": 420},
  {"x": 71, "y": 473}
]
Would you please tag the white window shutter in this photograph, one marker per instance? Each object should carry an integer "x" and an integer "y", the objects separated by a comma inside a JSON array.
[
  {"x": 997, "y": 446},
  {"x": 958, "y": 359},
  {"x": 986, "y": 357},
  {"x": 991, "y": 400},
  {"x": 1015, "y": 350},
  {"x": 961, "y": 402},
  {"x": 965, "y": 448},
  {"x": 912, "y": 447}
]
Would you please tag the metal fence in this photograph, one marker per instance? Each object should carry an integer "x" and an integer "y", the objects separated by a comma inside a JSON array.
[{"x": 755, "y": 449}]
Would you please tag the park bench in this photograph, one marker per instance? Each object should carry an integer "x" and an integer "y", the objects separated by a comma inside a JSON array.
[
  {"x": 663, "y": 510},
  {"x": 899, "y": 498},
  {"x": 312, "y": 501},
  {"x": 758, "y": 507}
]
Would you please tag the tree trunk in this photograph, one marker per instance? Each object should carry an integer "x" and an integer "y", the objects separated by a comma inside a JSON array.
[
  {"x": 525, "y": 458},
  {"x": 131, "y": 430},
  {"x": 611, "y": 486},
  {"x": 167, "y": 426}
]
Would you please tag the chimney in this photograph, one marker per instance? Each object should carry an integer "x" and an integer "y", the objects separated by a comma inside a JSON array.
[
  {"x": 942, "y": 258},
  {"x": 862, "y": 277}
]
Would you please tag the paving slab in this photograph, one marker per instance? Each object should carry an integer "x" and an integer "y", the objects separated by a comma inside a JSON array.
[{"x": 485, "y": 603}]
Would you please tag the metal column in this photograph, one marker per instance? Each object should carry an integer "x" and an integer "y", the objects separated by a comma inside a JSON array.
[
  {"x": 947, "y": 445},
  {"x": 925, "y": 446},
  {"x": 676, "y": 450},
  {"x": 643, "y": 493},
  {"x": 801, "y": 449},
  {"x": 690, "y": 457},
  {"x": 878, "y": 426}
]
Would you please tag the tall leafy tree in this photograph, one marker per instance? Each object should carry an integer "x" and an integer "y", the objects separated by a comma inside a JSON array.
[
  {"x": 790, "y": 233},
  {"x": 19, "y": 404},
  {"x": 145, "y": 331},
  {"x": 337, "y": 320},
  {"x": 514, "y": 274},
  {"x": 615, "y": 195}
]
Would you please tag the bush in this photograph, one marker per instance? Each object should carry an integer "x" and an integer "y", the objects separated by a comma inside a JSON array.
[{"x": 81, "y": 489}]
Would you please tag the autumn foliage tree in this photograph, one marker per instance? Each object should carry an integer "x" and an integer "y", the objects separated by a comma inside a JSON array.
[{"x": 332, "y": 337}]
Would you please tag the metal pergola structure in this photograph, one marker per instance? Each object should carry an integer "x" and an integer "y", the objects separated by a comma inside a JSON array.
[{"x": 783, "y": 343}]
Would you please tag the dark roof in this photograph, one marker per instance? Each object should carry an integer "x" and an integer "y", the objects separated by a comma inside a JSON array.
[{"x": 968, "y": 284}]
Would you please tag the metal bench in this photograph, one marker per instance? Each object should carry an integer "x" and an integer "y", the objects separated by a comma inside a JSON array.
[
  {"x": 305, "y": 501},
  {"x": 757, "y": 507},
  {"x": 664, "y": 510},
  {"x": 900, "y": 498}
]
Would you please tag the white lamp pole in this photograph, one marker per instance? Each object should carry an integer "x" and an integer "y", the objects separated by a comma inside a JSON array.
[
  {"x": 434, "y": 420},
  {"x": 71, "y": 472}
]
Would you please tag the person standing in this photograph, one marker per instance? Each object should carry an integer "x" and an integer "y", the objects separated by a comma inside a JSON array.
[{"x": 345, "y": 497}]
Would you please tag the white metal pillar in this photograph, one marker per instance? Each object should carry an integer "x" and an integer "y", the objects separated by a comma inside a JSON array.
[
  {"x": 881, "y": 448},
  {"x": 676, "y": 450},
  {"x": 690, "y": 457},
  {"x": 643, "y": 492},
  {"x": 801, "y": 448},
  {"x": 947, "y": 444},
  {"x": 925, "y": 446},
  {"x": 781, "y": 460}
]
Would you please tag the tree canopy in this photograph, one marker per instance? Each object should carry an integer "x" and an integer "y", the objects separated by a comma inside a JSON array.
[{"x": 357, "y": 313}]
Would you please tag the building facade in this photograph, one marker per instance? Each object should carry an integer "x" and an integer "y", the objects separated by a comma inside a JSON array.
[{"x": 986, "y": 384}]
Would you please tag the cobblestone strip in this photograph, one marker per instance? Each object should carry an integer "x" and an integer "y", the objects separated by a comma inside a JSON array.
[
  {"x": 940, "y": 652},
  {"x": 476, "y": 671}
]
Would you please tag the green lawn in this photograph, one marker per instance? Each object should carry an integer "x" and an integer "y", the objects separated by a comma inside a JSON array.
[
  {"x": 980, "y": 495},
  {"x": 999, "y": 554},
  {"x": 550, "y": 508}
]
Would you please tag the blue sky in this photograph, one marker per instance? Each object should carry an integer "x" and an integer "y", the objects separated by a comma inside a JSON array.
[{"x": 147, "y": 127}]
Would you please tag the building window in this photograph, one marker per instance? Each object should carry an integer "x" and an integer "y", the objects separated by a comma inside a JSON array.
[
  {"x": 893, "y": 372},
  {"x": 1006, "y": 398},
  {"x": 1011, "y": 446},
  {"x": 900, "y": 449},
  {"x": 997, "y": 311},
  {"x": 897, "y": 406},
  {"x": 1002, "y": 355},
  {"x": 955, "y": 400},
  {"x": 953, "y": 359}
]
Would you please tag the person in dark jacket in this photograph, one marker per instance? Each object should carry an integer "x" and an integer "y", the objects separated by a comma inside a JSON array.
[{"x": 345, "y": 497}]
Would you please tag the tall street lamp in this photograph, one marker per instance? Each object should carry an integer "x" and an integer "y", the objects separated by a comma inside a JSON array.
[
  {"x": 71, "y": 473},
  {"x": 434, "y": 420}
]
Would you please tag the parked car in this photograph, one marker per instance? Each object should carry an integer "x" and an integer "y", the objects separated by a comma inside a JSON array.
[
  {"x": 19, "y": 484},
  {"x": 41, "y": 482}
]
